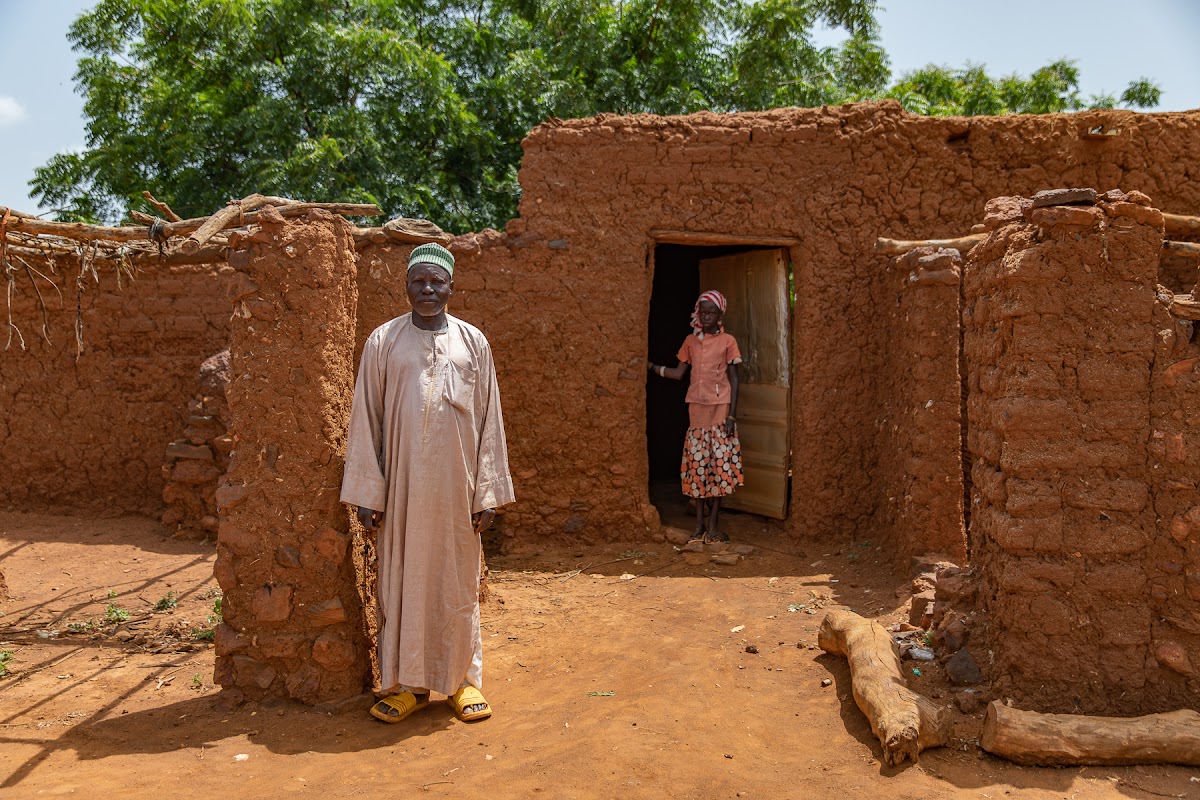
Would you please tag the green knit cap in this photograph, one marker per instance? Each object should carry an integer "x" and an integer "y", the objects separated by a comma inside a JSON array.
[{"x": 432, "y": 253}]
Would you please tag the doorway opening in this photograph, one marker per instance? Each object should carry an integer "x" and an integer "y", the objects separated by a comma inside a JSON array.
[{"x": 756, "y": 280}]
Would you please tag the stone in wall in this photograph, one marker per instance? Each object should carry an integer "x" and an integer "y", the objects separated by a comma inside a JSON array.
[
  {"x": 1060, "y": 346},
  {"x": 293, "y": 614},
  {"x": 195, "y": 462}
]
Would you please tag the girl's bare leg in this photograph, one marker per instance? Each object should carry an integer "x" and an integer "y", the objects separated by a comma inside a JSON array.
[
  {"x": 699, "y": 534},
  {"x": 714, "y": 534}
]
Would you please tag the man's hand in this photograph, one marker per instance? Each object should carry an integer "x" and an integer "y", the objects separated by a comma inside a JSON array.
[
  {"x": 369, "y": 518},
  {"x": 483, "y": 520}
]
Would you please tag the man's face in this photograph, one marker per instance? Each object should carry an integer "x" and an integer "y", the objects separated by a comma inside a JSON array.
[
  {"x": 429, "y": 289},
  {"x": 709, "y": 314}
]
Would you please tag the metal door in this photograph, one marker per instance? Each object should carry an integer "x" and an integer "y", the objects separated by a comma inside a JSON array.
[{"x": 756, "y": 285}]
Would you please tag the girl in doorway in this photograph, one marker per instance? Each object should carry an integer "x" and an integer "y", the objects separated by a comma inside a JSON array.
[{"x": 712, "y": 455}]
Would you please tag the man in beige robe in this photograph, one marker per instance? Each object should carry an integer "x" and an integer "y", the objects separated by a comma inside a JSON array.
[{"x": 427, "y": 465}]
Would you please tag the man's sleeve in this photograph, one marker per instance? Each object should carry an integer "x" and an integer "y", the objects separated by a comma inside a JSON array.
[
  {"x": 363, "y": 482},
  {"x": 493, "y": 481}
]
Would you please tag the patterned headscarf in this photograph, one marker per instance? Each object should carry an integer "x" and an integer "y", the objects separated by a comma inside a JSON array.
[{"x": 712, "y": 296}]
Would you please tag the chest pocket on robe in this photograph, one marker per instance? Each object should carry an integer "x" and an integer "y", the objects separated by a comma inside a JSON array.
[{"x": 460, "y": 386}]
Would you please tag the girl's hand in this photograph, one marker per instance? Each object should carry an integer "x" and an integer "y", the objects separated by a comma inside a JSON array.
[{"x": 729, "y": 425}]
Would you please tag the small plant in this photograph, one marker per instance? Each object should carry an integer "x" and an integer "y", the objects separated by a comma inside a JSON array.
[
  {"x": 112, "y": 594},
  {"x": 214, "y": 619},
  {"x": 197, "y": 681},
  {"x": 167, "y": 603},
  {"x": 114, "y": 614},
  {"x": 82, "y": 627},
  {"x": 6, "y": 657}
]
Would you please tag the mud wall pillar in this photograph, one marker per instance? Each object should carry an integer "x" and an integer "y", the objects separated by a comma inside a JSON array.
[
  {"x": 1059, "y": 346},
  {"x": 920, "y": 462},
  {"x": 293, "y": 617}
]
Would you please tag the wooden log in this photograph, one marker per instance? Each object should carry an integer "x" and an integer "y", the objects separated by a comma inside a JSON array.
[
  {"x": 213, "y": 254},
  {"x": 1181, "y": 225},
  {"x": 417, "y": 231},
  {"x": 898, "y": 247},
  {"x": 163, "y": 208},
  {"x": 80, "y": 231},
  {"x": 54, "y": 246},
  {"x": 1183, "y": 306},
  {"x": 221, "y": 220},
  {"x": 364, "y": 236},
  {"x": 1188, "y": 249},
  {"x": 706, "y": 238},
  {"x": 905, "y": 722},
  {"x": 1027, "y": 737}
]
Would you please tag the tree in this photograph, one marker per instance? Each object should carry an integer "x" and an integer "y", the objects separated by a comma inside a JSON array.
[
  {"x": 943, "y": 91},
  {"x": 420, "y": 105},
  {"x": 417, "y": 105}
]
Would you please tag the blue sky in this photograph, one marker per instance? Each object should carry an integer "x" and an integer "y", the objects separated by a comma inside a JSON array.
[{"x": 1114, "y": 41}]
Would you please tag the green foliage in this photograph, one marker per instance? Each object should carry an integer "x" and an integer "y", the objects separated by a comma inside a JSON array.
[
  {"x": 421, "y": 105},
  {"x": 418, "y": 105},
  {"x": 970, "y": 91},
  {"x": 214, "y": 619},
  {"x": 6, "y": 657},
  {"x": 166, "y": 603},
  {"x": 114, "y": 614}
]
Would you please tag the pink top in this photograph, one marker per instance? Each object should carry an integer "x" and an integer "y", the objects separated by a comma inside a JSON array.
[{"x": 709, "y": 357}]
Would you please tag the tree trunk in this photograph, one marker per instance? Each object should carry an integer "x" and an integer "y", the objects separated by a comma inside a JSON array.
[
  {"x": 905, "y": 722},
  {"x": 1028, "y": 737}
]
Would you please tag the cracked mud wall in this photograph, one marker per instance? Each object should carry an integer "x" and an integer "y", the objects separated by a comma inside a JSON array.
[
  {"x": 294, "y": 622},
  {"x": 921, "y": 425},
  {"x": 563, "y": 293},
  {"x": 1080, "y": 471},
  {"x": 571, "y": 386},
  {"x": 87, "y": 433}
]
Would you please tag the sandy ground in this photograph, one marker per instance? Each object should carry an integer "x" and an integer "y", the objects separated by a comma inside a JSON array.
[{"x": 603, "y": 685}]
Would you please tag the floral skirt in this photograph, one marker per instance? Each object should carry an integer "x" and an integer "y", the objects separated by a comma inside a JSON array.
[{"x": 712, "y": 461}]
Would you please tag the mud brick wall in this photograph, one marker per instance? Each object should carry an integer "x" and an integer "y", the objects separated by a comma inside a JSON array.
[
  {"x": 1174, "y": 552},
  {"x": 565, "y": 290},
  {"x": 921, "y": 430},
  {"x": 87, "y": 432},
  {"x": 1060, "y": 346},
  {"x": 293, "y": 616},
  {"x": 573, "y": 436}
]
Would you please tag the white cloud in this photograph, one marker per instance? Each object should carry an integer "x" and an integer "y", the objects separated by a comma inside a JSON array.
[{"x": 11, "y": 111}]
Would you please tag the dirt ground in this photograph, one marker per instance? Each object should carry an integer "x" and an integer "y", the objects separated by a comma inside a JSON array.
[{"x": 611, "y": 672}]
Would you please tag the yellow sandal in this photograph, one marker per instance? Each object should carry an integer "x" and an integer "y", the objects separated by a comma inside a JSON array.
[
  {"x": 469, "y": 696},
  {"x": 404, "y": 703}
]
